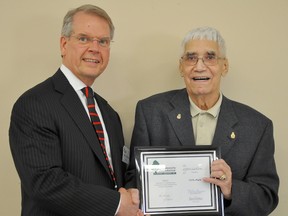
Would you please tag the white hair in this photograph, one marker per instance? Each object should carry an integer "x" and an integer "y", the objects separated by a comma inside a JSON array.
[{"x": 205, "y": 33}]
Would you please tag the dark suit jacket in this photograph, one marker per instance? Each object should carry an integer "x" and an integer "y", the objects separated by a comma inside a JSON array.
[
  {"x": 57, "y": 154},
  {"x": 250, "y": 154}
]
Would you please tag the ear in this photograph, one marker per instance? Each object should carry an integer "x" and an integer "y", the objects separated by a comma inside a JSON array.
[
  {"x": 63, "y": 43},
  {"x": 180, "y": 67},
  {"x": 225, "y": 67}
]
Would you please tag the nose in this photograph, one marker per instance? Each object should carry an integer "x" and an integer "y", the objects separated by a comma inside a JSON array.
[
  {"x": 199, "y": 66},
  {"x": 94, "y": 46}
]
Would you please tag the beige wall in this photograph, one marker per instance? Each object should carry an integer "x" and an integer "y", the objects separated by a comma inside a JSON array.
[{"x": 144, "y": 61}]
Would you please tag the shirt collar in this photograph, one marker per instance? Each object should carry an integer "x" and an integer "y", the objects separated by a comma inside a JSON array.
[
  {"x": 214, "y": 111},
  {"x": 76, "y": 83}
]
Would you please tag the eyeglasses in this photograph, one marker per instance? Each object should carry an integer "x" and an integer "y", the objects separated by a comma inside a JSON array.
[
  {"x": 209, "y": 60},
  {"x": 85, "y": 40}
]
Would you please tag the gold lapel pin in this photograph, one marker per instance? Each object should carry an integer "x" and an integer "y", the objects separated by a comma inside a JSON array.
[
  {"x": 232, "y": 135},
  {"x": 179, "y": 116}
]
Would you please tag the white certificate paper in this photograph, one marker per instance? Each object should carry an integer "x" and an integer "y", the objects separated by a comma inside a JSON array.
[{"x": 171, "y": 182}]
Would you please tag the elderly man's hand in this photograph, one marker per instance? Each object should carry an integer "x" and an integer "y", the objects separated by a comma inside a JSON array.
[{"x": 221, "y": 176}]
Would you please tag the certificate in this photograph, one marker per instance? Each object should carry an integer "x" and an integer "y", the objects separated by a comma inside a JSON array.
[{"x": 170, "y": 181}]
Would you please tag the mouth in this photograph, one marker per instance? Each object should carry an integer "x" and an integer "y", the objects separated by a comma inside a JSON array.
[
  {"x": 201, "y": 78},
  {"x": 91, "y": 60}
]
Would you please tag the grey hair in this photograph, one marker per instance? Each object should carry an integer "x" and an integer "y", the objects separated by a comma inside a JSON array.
[
  {"x": 205, "y": 33},
  {"x": 67, "y": 27}
]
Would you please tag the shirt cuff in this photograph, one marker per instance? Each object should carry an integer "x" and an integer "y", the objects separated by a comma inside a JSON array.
[{"x": 118, "y": 206}]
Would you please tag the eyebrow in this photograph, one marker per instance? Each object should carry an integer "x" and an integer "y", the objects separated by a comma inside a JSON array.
[
  {"x": 211, "y": 53},
  {"x": 190, "y": 53},
  {"x": 85, "y": 35},
  {"x": 79, "y": 34},
  {"x": 195, "y": 53}
]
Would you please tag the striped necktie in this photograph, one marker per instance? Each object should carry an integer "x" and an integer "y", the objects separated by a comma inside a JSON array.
[{"x": 95, "y": 120}]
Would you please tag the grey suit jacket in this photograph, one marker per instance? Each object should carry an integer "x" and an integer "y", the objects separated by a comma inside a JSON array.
[
  {"x": 250, "y": 154},
  {"x": 57, "y": 154}
]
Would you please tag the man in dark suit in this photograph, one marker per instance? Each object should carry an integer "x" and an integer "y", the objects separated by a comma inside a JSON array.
[
  {"x": 62, "y": 168},
  {"x": 200, "y": 116}
]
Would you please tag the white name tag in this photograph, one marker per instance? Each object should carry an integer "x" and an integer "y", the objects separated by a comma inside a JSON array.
[{"x": 126, "y": 155}]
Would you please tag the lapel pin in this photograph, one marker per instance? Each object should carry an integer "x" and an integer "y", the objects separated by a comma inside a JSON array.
[
  {"x": 232, "y": 135},
  {"x": 179, "y": 116}
]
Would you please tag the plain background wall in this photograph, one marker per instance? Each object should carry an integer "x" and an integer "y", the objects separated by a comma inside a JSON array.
[{"x": 144, "y": 61}]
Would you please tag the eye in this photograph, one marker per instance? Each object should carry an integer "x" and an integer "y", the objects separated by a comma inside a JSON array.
[
  {"x": 104, "y": 42},
  {"x": 83, "y": 39},
  {"x": 190, "y": 57},
  {"x": 210, "y": 57}
]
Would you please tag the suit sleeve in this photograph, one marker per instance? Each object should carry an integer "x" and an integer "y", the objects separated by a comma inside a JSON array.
[
  {"x": 36, "y": 148},
  {"x": 257, "y": 193}
]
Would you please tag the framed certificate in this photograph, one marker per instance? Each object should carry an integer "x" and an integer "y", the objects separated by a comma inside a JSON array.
[{"x": 170, "y": 181}]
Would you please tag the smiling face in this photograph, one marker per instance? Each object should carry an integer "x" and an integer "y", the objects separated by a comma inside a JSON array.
[
  {"x": 86, "y": 61},
  {"x": 202, "y": 81}
]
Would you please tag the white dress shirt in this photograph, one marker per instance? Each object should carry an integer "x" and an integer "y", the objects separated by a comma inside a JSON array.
[{"x": 77, "y": 86}]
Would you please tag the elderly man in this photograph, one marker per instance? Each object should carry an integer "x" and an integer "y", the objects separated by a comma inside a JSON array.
[{"x": 200, "y": 115}]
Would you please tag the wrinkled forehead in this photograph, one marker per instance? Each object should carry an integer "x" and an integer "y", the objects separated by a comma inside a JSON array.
[{"x": 202, "y": 47}]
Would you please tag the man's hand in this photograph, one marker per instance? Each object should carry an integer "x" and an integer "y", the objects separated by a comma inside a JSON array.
[
  {"x": 221, "y": 176},
  {"x": 129, "y": 205}
]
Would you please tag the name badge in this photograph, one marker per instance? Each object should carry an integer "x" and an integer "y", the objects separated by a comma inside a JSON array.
[{"x": 126, "y": 154}]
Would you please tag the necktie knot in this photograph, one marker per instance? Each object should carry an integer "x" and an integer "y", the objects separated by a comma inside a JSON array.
[{"x": 88, "y": 92}]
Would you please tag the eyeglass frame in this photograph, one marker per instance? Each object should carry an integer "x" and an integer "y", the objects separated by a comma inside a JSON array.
[
  {"x": 90, "y": 40},
  {"x": 203, "y": 59}
]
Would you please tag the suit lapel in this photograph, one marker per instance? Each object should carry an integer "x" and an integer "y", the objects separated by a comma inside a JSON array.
[
  {"x": 75, "y": 109},
  {"x": 225, "y": 135},
  {"x": 180, "y": 118}
]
